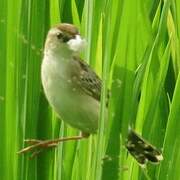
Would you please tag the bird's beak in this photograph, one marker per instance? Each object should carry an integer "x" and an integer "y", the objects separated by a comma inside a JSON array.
[{"x": 77, "y": 44}]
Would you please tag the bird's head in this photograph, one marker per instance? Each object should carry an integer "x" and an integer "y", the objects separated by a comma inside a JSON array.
[{"x": 64, "y": 37}]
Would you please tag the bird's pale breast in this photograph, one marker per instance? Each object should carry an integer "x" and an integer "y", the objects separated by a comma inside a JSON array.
[{"x": 71, "y": 104}]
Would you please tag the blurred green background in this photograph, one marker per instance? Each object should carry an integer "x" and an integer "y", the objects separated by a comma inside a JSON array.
[{"x": 134, "y": 46}]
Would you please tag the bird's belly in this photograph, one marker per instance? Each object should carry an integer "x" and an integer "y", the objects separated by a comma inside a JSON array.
[{"x": 76, "y": 108}]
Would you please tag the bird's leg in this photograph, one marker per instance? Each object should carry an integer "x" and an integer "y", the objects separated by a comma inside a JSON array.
[{"x": 35, "y": 143}]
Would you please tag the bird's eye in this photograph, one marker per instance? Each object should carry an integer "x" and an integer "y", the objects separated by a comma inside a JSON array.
[
  {"x": 65, "y": 39},
  {"x": 59, "y": 35}
]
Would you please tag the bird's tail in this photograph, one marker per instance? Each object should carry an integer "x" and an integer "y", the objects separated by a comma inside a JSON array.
[{"x": 141, "y": 150}]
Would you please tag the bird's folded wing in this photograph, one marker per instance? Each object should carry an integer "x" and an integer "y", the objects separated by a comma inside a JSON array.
[{"x": 89, "y": 82}]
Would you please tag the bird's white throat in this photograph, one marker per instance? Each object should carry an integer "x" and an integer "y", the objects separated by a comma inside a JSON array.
[{"x": 77, "y": 44}]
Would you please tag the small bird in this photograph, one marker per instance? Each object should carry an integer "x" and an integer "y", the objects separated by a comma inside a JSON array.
[{"x": 73, "y": 90}]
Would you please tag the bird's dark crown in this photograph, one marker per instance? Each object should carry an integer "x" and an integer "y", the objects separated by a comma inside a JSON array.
[{"x": 68, "y": 29}]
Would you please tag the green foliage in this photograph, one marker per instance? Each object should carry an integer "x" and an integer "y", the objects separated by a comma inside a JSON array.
[{"x": 134, "y": 46}]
